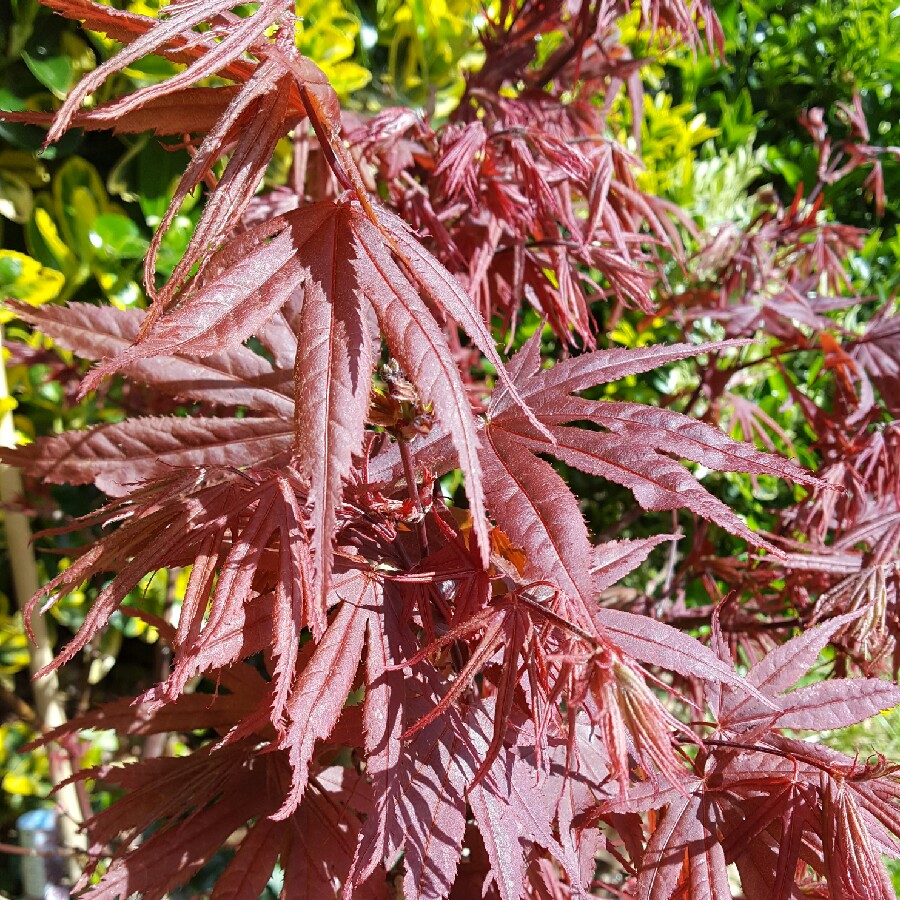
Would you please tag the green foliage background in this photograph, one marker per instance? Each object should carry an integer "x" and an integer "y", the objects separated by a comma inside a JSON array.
[{"x": 76, "y": 221}]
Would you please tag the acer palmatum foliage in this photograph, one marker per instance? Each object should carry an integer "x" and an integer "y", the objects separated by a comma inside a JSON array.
[{"x": 418, "y": 699}]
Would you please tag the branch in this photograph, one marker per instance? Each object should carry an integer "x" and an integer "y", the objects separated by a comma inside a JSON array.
[{"x": 47, "y": 698}]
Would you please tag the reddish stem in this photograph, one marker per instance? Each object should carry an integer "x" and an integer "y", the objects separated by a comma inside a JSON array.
[{"x": 409, "y": 471}]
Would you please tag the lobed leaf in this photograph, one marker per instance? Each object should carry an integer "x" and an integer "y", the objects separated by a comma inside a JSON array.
[{"x": 121, "y": 455}]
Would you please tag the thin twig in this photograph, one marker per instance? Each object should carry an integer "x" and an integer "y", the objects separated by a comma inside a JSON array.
[
  {"x": 18, "y": 706},
  {"x": 15, "y": 850}
]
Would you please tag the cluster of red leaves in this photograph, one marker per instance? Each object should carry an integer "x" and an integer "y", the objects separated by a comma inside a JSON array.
[
  {"x": 524, "y": 197},
  {"x": 406, "y": 690},
  {"x": 783, "y": 275}
]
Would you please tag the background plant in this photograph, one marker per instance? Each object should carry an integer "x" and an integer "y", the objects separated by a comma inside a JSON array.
[{"x": 498, "y": 199}]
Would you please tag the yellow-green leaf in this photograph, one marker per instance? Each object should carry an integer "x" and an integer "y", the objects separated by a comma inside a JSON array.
[
  {"x": 20, "y": 785},
  {"x": 24, "y": 278}
]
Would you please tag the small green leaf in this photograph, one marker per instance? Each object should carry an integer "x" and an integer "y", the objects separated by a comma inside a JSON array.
[
  {"x": 790, "y": 171},
  {"x": 44, "y": 242},
  {"x": 158, "y": 172},
  {"x": 114, "y": 236},
  {"x": 53, "y": 70}
]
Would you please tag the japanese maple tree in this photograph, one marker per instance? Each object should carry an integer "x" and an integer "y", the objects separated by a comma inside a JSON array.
[{"x": 412, "y": 691}]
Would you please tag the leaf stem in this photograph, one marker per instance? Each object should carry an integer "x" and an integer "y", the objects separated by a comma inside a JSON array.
[{"x": 409, "y": 471}]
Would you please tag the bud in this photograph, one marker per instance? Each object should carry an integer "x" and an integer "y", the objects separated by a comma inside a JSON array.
[{"x": 628, "y": 713}]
